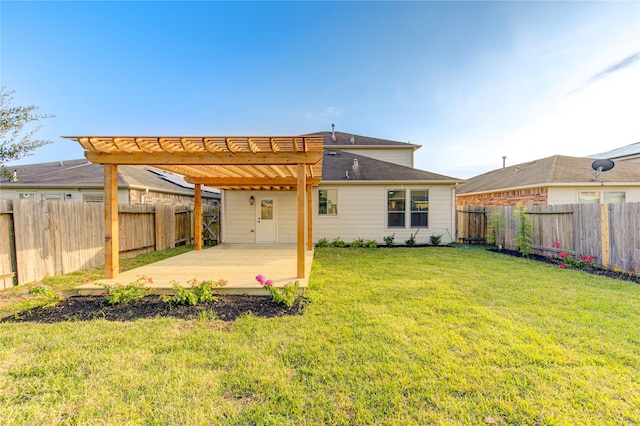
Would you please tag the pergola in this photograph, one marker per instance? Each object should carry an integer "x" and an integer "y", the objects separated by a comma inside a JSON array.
[{"x": 225, "y": 162}]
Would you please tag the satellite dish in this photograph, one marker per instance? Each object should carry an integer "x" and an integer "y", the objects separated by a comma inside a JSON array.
[
  {"x": 600, "y": 166},
  {"x": 603, "y": 165}
]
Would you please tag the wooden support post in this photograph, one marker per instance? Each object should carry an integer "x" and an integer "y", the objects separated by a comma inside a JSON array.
[
  {"x": 604, "y": 234},
  {"x": 300, "y": 218},
  {"x": 197, "y": 211},
  {"x": 309, "y": 217},
  {"x": 111, "y": 237}
]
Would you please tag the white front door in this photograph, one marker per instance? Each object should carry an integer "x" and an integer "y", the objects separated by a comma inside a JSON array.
[{"x": 266, "y": 224}]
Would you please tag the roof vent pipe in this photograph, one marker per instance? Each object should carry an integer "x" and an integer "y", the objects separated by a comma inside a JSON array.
[
  {"x": 333, "y": 132},
  {"x": 352, "y": 139},
  {"x": 504, "y": 162},
  {"x": 346, "y": 174},
  {"x": 14, "y": 176},
  {"x": 355, "y": 162}
]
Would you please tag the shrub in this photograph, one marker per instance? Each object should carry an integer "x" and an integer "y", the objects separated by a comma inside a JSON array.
[
  {"x": 435, "y": 239},
  {"x": 412, "y": 239},
  {"x": 51, "y": 298},
  {"x": 286, "y": 295},
  {"x": 389, "y": 239},
  {"x": 495, "y": 226},
  {"x": 116, "y": 294},
  {"x": 524, "y": 239},
  {"x": 323, "y": 243},
  {"x": 337, "y": 242},
  {"x": 196, "y": 292},
  {"x": 371, "y": 244},
  {"x": 358, "y": 242}
]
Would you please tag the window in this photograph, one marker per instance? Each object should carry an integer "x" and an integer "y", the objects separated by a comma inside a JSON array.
[
  {"x": 328, "y": 202},
  {"x": 595, "y": 197},
  {"x": 27, "y": 195},
  {"x": 588, "y": 197},
  {"x": 52, "y": 196},
  {"x": 93, "y": 198},
  {"x": 614, "y": 197},
  {"x": 396, "y": 208},
  {"x": 419, "y": 208}
]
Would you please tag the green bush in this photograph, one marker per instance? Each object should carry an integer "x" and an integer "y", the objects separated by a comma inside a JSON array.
[
  {"x": 119, "y": 293},
  {"x": 196, "y": 292},
  {"x": 435, "y": 239},
  {"x": 337, "y": 242},
  {"x": 323, "y": 243},
  {"x": 371, "y": 244},
  {"x": 358, "y": 242},
  {"x": 412, "y": 239},
  {"x": 389, "y": 239}
]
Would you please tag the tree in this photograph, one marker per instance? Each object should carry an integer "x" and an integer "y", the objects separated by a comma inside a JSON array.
[{"x": 15, "y": 141}]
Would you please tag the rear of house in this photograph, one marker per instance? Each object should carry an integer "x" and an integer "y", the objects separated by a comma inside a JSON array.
[{"x": 360, "y": 196}]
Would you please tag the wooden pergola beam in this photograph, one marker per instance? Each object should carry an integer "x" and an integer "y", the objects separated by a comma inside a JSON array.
[
  {"x": 204, "y": 158},
  {"x": 255, "y": 181}
]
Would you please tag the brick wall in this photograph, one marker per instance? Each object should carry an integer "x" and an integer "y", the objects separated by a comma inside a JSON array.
[{"x": 528, "y": 197}]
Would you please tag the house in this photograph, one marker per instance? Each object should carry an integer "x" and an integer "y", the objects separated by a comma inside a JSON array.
[
  {"x": 80, "y": 180},
  {"x": 369, "y": 189},
  {"x": 626, "y": 153},
  {"x": 553, "y": 180}
]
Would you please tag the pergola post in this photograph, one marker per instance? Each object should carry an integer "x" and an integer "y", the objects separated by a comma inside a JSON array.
[
  {"x": 309, "y": 217},
  {"x": 197, "y": 211},
  {"x": 111, "y": 237},
  {"x": 300, "y": 218}
]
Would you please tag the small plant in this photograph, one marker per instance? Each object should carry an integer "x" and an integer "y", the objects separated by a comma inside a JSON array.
[
  {"x": 337, "y": 242},
  {"x": 286, "y": 295},
  {"x": 51, "y": 298},
  {"x": 323, "y": 242},
  {"x": 412, "y": 239},
  {"x": 495, "y": 226},
  {"x": 435, "y": 239},
  {"x": 195, "y": 293},
  {"x": 568, "y": 260},
  {"x": 389, "y": 239},
  {"x": 524, "y": 240},
  {"x": 358, "y": 242},
  {"x": 371, "y": 244},
  {"x": 116, "y": 294}
]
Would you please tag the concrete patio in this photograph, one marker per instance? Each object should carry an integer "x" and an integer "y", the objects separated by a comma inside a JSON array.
[{"x": 236, "y": 263}]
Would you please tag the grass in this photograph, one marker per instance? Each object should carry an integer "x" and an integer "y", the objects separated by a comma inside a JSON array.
[{"x": 402, "y": 336}]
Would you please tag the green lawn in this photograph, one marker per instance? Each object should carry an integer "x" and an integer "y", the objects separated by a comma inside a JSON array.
[{"x": 391, "y": 336}]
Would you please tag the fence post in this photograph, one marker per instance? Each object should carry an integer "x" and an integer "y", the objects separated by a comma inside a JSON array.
[{"x": 604, "y": 234}]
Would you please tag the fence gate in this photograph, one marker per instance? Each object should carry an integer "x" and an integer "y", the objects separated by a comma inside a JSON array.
[
  {"x": 472, "y": 225},
  {"x": 211, "y": 227}
]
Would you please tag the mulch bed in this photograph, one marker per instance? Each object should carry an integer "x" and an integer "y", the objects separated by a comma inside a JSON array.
[
  {"x": 86, "y": 308},
  {"x": 596, "y": 271}
]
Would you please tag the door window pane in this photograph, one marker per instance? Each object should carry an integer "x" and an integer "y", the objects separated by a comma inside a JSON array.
[{"x": 266, "y": 209}]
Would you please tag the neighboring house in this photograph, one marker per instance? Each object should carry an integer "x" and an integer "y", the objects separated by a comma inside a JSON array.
[
  {"x": 80, "y": 180},
  {"x": 369, "y": 190},
  {"x": 626, "y": 153},
  {"x": 552, "y": 180}
]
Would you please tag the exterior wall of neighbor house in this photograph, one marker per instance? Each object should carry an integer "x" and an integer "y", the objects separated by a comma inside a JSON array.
[
  {"x": 239, "y": 219},
  {"x": 403, "y": 157},
  {"x": 362, "y": 213},
  {"x": 569, "y": 194},
  {"x": 60, "y": 193},
  {"x": 528, "y": 197},
  {"x": 139, "y": 196}
]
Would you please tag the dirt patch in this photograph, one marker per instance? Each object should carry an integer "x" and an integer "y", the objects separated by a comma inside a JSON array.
[{"x": 86, "y": 308}]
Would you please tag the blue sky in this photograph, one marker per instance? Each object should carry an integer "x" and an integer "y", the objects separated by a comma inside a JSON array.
[{"x": 469, "y": 81}]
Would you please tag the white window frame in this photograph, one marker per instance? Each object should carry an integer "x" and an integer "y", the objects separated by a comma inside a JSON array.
[
  {"x": 407, "y": 208},
  {"x": 328, "y": 214}
]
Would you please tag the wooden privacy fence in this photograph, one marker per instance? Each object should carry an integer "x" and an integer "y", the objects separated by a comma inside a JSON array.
[
  {"x": 609, "y": 231},
  {"x": 46, "y": 238}
]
